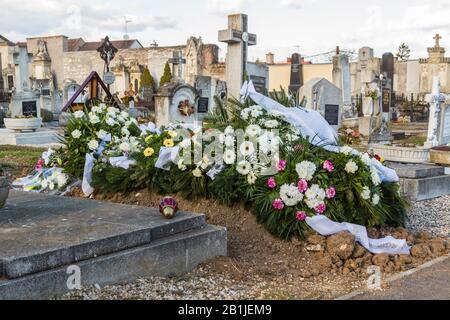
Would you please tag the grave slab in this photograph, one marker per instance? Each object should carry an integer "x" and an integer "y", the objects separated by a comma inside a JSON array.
[
  {"x": 414, "y": 171},
  {"x": 40, "y": 137},
  {"x": 41, "y": 232}
]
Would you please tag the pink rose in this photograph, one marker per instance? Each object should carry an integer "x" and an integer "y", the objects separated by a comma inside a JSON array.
[
  {"x": 39, "y": 164},
  {"x": 328, "y": 165},
  {"x": 281, "y": 165},
  {"x": 320, "y": 208},
  {"x": 302, "y": 185},
  {"x": 278, "y": 204},
  {"x": 300, "y": 215},
  {"x": 271, "y": 183},
  {"x": 331, "y": 193}
]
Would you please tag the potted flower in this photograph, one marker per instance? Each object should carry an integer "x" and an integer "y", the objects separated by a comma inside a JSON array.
[
  {"x": 21, "y": 123},
  {"x": 4, "y": 188}
]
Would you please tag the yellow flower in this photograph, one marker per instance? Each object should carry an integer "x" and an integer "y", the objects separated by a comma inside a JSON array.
[
  {"x": 382, "y": 159},
  {"x": 168, "y": 143},
  {"x": 149, "y": 152}
]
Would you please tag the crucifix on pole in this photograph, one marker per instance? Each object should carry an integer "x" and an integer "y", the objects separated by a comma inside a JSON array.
[
  {"x": 107, "y": 52},
  {"x": 238, "y": 39}
]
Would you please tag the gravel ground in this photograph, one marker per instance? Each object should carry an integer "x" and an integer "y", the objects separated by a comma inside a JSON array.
[
  {"x": 432, "y": 216},
  {"x": 196, "y": 285}
]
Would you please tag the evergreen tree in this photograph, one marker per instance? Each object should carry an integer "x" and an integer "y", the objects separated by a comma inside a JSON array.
[
  {"x": 403, "y": 52},
  {"x": 147, "y": 79},
  {"x": 167, "y": 76}
]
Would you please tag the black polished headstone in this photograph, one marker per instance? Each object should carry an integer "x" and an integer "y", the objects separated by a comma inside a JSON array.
[
  {"x": 29, "y": 108},
  {"x": 332, "y": 114},
  {"x": 387, "y": 68},
  {"x": 296, "y": 80}
]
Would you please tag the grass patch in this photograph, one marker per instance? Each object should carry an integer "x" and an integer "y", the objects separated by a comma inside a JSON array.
[{"x": 19, "y": 159}]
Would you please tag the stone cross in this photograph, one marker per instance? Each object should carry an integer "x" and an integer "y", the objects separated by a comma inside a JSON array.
[
  {"x": 436, "y": 98},
  {"x": 296, "y": 80},
  {"x": 437, "y": 37},
  {"x": 177, "y": 60},
  {"x": 238, "y": 39}
]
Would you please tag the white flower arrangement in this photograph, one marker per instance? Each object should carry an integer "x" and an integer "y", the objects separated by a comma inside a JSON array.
[
  {"x": 93, "y": 145},
  {"x": 305, "y": 170},
  {"x": 247, "y": 148},
  {"x": 375, "y": 177},
  {"x": 314, "y": 196},
  {"x": 365, "y": 194},
  {"x": 290, "y": 195},
  {"x": 243, "y": 167},
  {"x": 251, "y": 178},
  {"x": 229, "y": 130},
  {"x": 365, "y": 158},
  {"x": 197, "y": 172},
  {"x": 78, "y": 114},
  {"x": 253, "y": 130},
  {"x": 101, "y": 134},
  {"x": 76, "y": 134},
  {"x": 271, "y": 124},
  {"x": 181, "y": 165},
  {"x": 351, "y": 167},
  {"x": 347, "y": 150},
  {"x": 375, "y": 199},
  {"x": 110, "y": 122},
  {"x": 229, "y": 156}
]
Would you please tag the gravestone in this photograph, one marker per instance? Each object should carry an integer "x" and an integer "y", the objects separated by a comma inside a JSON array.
[
  {"x": 25, "y": 103},
  {"x": 387, "y": 69},
  {"x": 238, "y": 39},
  {"x": 439, "y": 120},
  {"x": 205, "y": 100},
  {"x": 342, "y": 79},
  {"x": 296, "y": 80},
  {"x": 176, "y": 102},
  {"x": 323, "y": 96}
]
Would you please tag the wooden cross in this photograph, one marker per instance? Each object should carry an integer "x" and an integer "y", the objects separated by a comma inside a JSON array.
[{"x": 437, "y": 37}]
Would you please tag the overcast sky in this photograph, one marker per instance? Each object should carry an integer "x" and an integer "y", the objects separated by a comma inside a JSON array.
[{"x": 314, "y": 25}]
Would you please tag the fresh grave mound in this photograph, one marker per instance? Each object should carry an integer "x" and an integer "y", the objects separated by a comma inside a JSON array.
[
  {"x": 277, "y": 169},
  {"x": 255, "y": 253}
]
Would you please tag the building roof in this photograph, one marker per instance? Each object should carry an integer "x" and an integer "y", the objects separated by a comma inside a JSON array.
[
  {"x": 73, "y": 44},
  {"x": 3, "y": 39}
]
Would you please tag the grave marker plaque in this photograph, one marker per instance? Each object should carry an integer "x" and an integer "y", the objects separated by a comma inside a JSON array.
[
  {"x": 203, "y": 105},
  {"x": 29, "y": 108},
  {"x": 332, "y": 114},
  {"x": 386, "y": 99},
  {"x": 259, "y": 83}
]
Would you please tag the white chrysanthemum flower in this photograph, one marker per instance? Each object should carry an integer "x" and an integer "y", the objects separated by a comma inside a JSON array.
[
  {"x": 124, "y": 147},
  {"x": 110, "y": 121},
  {"x": 113, "y": 110},
  {"x": 229, "y": 156},
  {"x": 365, "y": 158},
  {"x": 125, "y": 132},
  {"x": 44, "y": 184},
  {"x": 375, "y": 199},
  {"x": 197, "y": 172},
  {"x": 94, "y": 119},
  {"x": 51, "y": 185},
  {"x": 244, "y": 167},
  {"x": 93, "y": 145},
  {"x": 275, "y": 113},
  {"x": 290, "y": 195},
  {"x": 253, "y": 130},
  {"x": 251, "y": 178},
  {"x": 346, "y": 150},
  {"x": 351, "y": 167},
  {"x": 181, "y": 165},
  {"x": 96, "y": 109},
  {"x": 375, "y": 177},
  {"x": 247, "y": 148},
  {"x": 256, "y": 113},
  {"x": 365, "y": 194},
  {"x": 245, "y": 114},
  {"x": 76, "y": 134},
  {"x": 78, "y": 114},
  {"x": 305, "y": 170},
  {"x": 61, "y": 179},
  {"x": 101, "y": 134},
  {"x": 229, "y": 130},
  {"x": 229, "y": 141},
  {"x": 124, "y": 114},
  {"x": 120, "y": 119},
  {"x": 271, "y": 124}
]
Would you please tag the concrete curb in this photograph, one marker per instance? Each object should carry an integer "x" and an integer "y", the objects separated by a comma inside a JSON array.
[{"x": 395, "y": 277}]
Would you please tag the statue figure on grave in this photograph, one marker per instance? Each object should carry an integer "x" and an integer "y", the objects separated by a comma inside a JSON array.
[
  {"x": 107, "y": 51},
  {"x": 42, "y": 51}
]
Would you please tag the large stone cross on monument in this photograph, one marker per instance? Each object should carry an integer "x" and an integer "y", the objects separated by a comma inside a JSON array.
[{"x": 238, "y": 39}]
